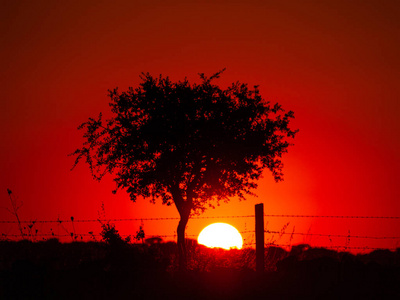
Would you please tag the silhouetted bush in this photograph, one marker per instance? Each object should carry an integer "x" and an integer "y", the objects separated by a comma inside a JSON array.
[{"x": 111, "y": 236}]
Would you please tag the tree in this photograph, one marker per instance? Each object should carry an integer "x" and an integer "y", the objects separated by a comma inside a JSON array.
[{"x": 191, "y": 145}]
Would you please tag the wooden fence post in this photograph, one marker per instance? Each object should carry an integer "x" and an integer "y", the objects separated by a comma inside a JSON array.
[{"x": 259, "y": 238}]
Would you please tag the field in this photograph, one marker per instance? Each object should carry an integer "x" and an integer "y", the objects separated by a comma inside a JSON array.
[{"x": 99, "y": 270}]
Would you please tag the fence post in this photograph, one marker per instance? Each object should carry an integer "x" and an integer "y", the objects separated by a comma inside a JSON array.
[{"x": 259, "y": 238}]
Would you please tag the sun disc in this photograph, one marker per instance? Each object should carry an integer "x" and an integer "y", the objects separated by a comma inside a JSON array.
[{"x": 220, "y": 235}]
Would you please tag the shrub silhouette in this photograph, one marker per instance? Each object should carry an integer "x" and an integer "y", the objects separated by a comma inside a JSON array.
[{"x": 111, "y": 236}]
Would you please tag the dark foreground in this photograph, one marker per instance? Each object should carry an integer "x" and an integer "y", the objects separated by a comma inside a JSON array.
[{"x": 52, "y": 270}]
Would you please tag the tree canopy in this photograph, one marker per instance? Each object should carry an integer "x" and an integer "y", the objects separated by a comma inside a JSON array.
[{"x": 191, "y": 144}]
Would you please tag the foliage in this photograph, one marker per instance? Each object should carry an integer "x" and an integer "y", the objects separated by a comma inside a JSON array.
[
  {"x": 111, "y": 235},
  {"x": 193, "y": 141}
]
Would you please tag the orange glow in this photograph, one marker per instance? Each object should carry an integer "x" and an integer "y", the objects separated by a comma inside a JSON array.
[{"x": 220, "y": 235}]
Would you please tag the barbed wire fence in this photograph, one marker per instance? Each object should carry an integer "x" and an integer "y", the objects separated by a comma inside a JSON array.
[{"x": 33, "y": 233}]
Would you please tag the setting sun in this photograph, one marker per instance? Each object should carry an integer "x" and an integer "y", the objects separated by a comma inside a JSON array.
[{"x": 220, "y": 235}]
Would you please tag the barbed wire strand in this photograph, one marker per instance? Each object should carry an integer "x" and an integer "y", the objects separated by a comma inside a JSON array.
[
  {"x": 334, "y": 217},
  {"x": 335, "y": 235},
  {"x": 241, "y": 232},
  {"x": 329, "y": 247},
  {"x": 198, "y": 217}
]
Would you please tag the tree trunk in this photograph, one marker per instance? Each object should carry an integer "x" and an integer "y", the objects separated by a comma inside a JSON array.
[
  {"x": 184, "y": 208},
  {"x": 181, "y": 239}
]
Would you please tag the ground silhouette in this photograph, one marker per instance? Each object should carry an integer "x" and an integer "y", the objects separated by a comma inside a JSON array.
[{"x": 97, "y": 270}]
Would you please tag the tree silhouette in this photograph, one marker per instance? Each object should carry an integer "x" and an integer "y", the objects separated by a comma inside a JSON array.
[{"x": 188, "y": 144}]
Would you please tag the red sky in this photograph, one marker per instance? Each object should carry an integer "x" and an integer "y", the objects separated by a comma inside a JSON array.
[{"x": 334, "y": 63}]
